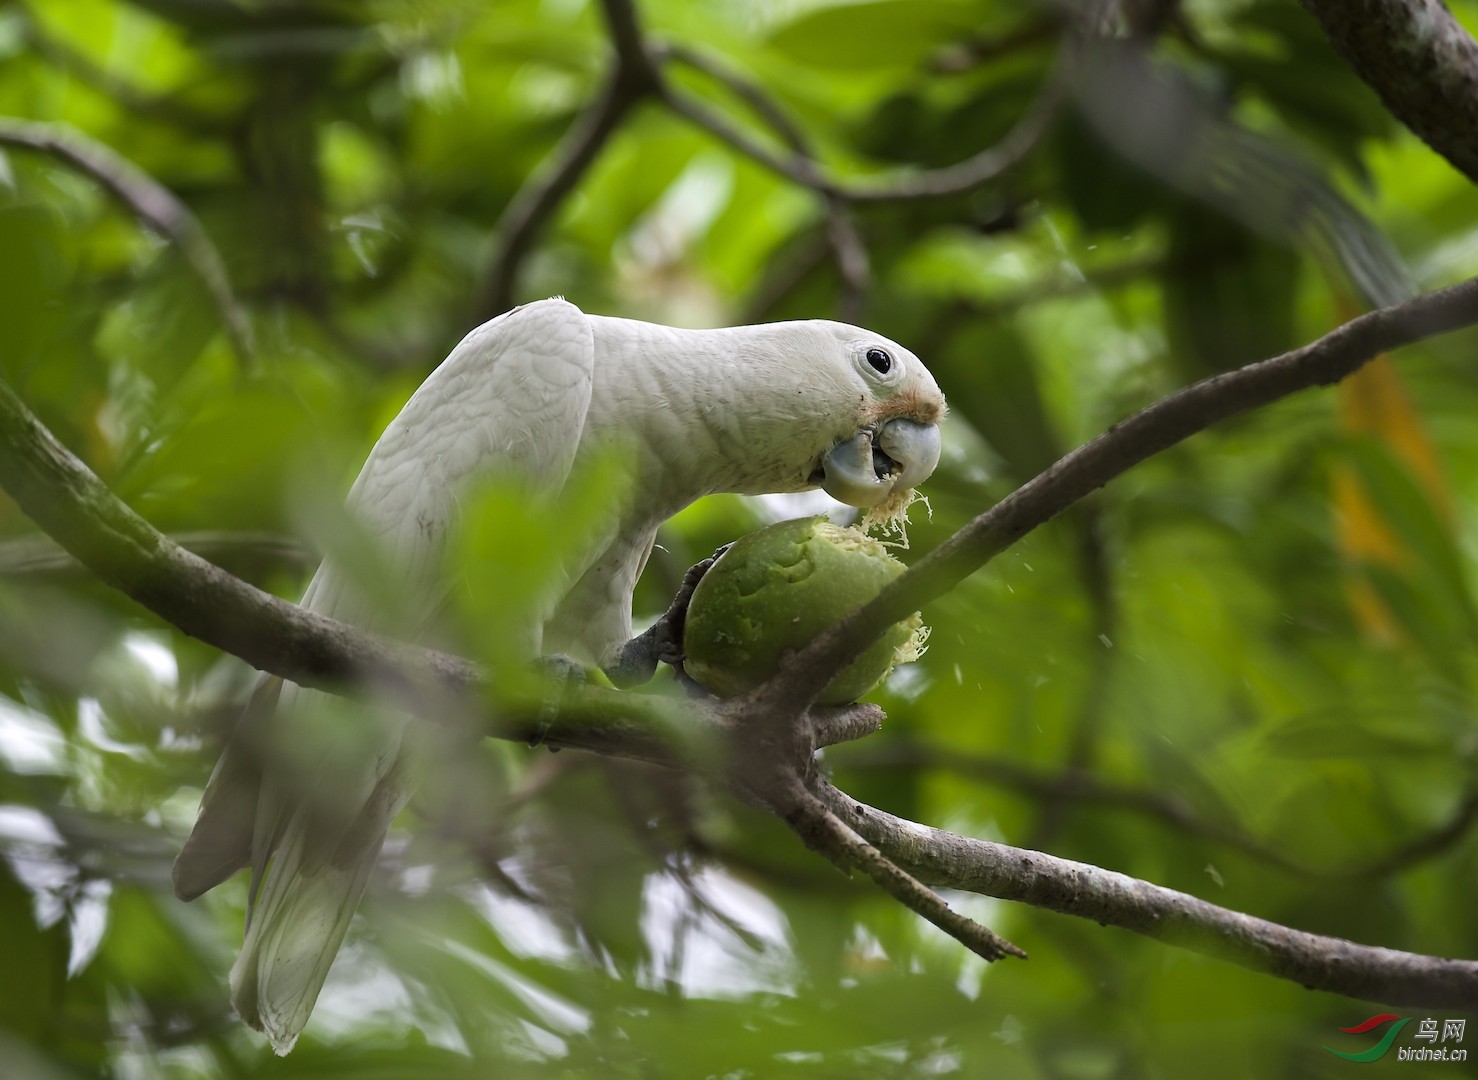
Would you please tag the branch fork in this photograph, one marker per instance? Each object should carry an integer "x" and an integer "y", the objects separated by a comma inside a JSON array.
[{"x": 772, "y": 762}]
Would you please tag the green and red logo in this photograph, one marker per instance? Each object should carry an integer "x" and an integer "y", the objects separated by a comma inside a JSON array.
[
  {"x": 1380, "y": 1049},
  {"x": 1428, "y": 1030}
]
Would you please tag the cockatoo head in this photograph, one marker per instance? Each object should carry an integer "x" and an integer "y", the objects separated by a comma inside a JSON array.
[{"x": 888, "y": 443}]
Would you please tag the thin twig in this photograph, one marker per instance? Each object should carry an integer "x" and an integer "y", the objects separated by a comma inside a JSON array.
[
  {"x": 635, "y": 77},
  {"x": 845, "y": 723},
  {"x": 151, "y": 202},
  {"x": 986, "y": 165},
  {"x": 842, "y": 235},
  {"x": 1062, "y": 285},
  {"x": 1067, "y": 785},
  {"x": 632, "y": 78},
  {"x": 547, "y": 187},
  {"x": 804, "y": 254},
  {"x": 1419, "y": 850},
  {"x": 824, "y": 833},
  {"x": 1159, "y": 426}
]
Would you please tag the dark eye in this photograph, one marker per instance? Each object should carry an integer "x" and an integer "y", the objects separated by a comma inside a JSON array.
[{"x": 881, "y": 362}]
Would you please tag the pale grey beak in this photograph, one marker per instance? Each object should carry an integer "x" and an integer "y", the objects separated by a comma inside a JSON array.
[{"x": 865, "y": 469}]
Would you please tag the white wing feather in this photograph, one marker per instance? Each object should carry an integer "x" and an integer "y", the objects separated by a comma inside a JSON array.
[{"x": 511, "y": 398}]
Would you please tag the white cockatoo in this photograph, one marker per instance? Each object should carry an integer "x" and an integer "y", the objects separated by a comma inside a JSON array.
[{"x": 533, "y": 395}]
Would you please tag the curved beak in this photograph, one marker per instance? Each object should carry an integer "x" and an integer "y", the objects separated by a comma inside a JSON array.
[{"x": 865, "y": 469}]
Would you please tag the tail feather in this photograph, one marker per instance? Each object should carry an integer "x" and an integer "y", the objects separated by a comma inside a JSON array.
[
  {"x": 221, "y": 841},
  {"x": 298, "y": 925},
  {"x": 302, "y": 912}
]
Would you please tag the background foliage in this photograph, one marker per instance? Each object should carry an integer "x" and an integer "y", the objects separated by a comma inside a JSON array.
[{"x": 1245, "y": 671}]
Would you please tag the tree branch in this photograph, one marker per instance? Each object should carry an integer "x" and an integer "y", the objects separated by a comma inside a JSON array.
[
  {"x": 1168, "y": 421},
  {"x": 1077, "y": 785},
  {"x": 956, "y": 179},
  {"x": 546, "y": 188},
  {"x": 1421, "y": 62},
  {"x": 847, "y": 247},
  {"x": 633, "y": 78},
  {"x": 148, "y": 200},
  {"x": 76, "y": 508},
  {"x": 945, "y": 859},
  {"x": 824, "y": 833},
  {"x": 67, "y": 499}
]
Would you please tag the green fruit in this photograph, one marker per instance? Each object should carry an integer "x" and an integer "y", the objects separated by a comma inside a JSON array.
[{"x": 776, "y": 589}]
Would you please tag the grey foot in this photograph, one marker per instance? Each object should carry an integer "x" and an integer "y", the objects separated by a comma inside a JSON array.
[{"x": 663, "y": 640}]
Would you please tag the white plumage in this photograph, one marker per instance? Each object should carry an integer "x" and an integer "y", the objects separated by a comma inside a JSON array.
[{"x": 532, "y": 396}]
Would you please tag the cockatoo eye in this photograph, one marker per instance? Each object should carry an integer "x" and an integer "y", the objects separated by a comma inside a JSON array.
[{"x": 880, "y": 361}]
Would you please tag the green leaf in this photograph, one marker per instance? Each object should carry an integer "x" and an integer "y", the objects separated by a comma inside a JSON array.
[
  {"x": 1436, "y": 565},
  {"x": 32, "y": 272},
  {"x": 26, "y": 1004},
  {"x": 877, "y": 36},
  {"x": 992, "y": 376},
  {"x": 1229, "y": 294}
]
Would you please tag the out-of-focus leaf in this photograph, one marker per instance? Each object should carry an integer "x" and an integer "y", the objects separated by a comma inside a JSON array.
[
  {"x": 877, "y": 35},
  {"x": 909, "y": 127},
  {"x": 164, "y": 324},
  {"x": 32, "y": 271},
  {"x": 1404, "y": 469},
  {"x": 993, "y": 375},
  {"x": 1105, "y": 191},
  {"x": 1419, "y": 529},
  {"x": 27, "y": 1004},
  {"x": 1229, "y": 294}
]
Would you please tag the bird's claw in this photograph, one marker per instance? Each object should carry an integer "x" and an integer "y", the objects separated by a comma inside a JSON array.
[{"x": 662, "y": 642}]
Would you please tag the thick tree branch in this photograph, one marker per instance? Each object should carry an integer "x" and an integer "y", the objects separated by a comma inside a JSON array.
[
  {"x": 67, "y": 499},
  {"x": 149, "y": 201},
  {"x": 945, "y": 859},
  {"x": 1149, "y": 431},
  {"x": 1421, "y": 62}
]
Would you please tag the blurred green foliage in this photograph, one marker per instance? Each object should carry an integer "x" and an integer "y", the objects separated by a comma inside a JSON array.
[{"x": 1271, "y": 685}]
